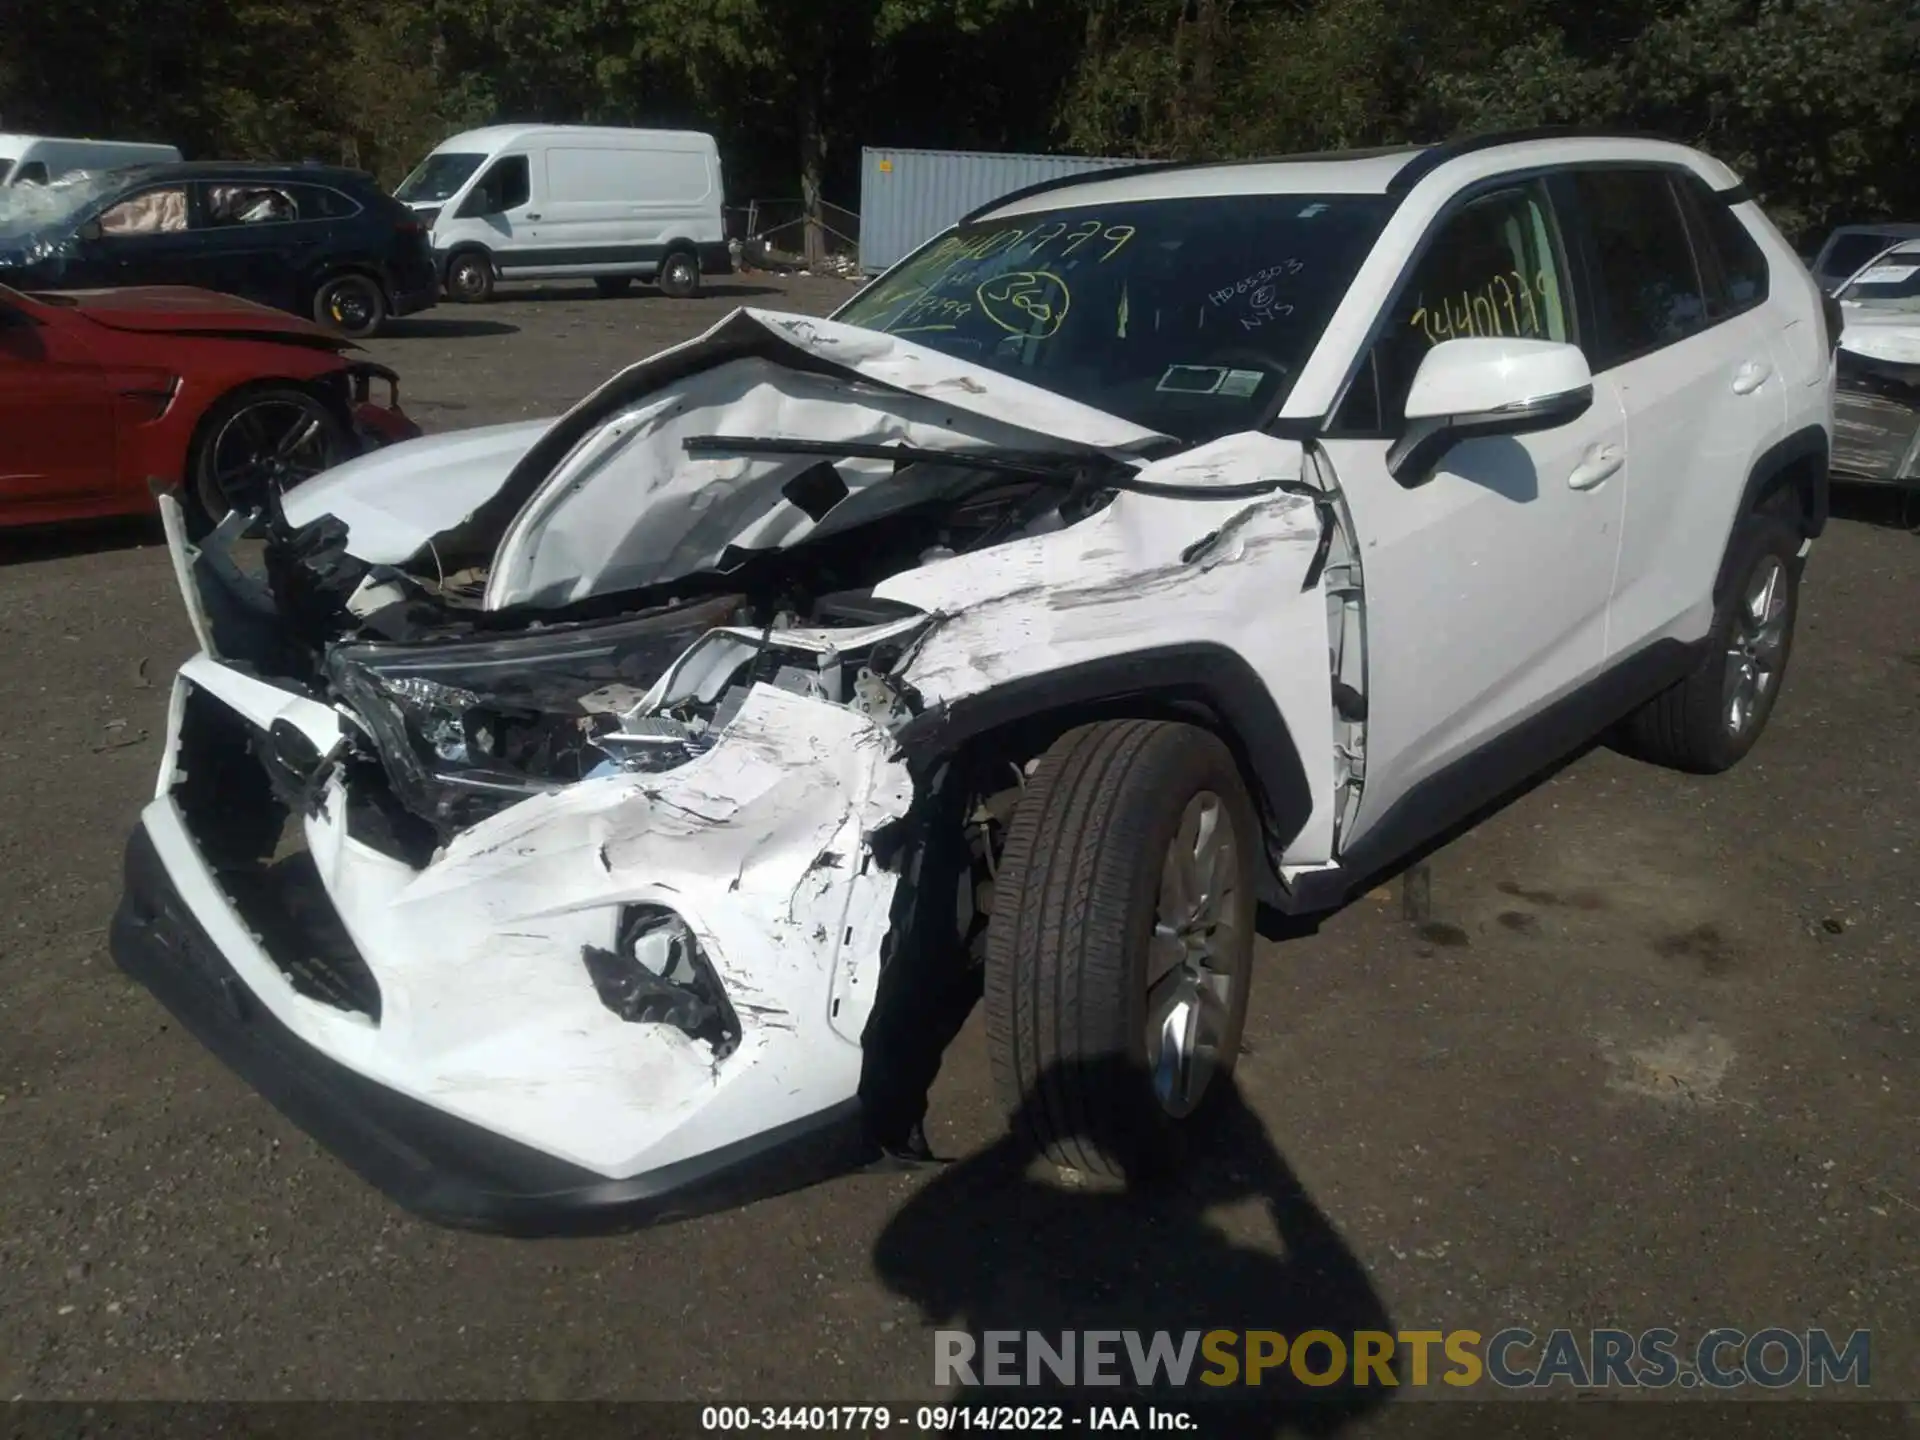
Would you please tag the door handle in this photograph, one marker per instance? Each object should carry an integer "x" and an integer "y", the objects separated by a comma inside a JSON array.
[
  {"x": 1596, "y": 466},
  {"x": 1751, "y": 376},
  {"x": 533, "y": 215}
]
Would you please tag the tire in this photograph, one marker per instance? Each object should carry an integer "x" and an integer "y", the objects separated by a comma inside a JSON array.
[
  {"x": 274, "y": 436},
  {"x": 612, "y": 287},
  {"x": 352, "y": 305},
  {"x": 470, "y": 277},
  {"x": 1071, "y": 949},
  {"x": 1694, "y": 725},
  {"x": 679, "y": 277}
]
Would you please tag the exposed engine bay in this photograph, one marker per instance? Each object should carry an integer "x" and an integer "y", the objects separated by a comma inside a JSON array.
[{"x": 469, "y": 711}]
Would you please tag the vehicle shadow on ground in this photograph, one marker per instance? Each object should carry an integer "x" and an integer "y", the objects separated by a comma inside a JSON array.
[
  {"x": 998, "y": 1242},
  {"x": 1887, "y": 506},
  {"x": 68, "y": 538},
  {"x": 711, "y": 290},
  {"x": 444, "y": 327}
]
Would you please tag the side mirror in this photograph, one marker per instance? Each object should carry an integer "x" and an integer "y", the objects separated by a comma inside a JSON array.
[
  {"x": 1466, "y": 389},
  {"x": 91, "y": 231}
]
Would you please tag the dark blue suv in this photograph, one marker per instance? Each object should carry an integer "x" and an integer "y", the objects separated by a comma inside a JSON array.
[{"x": 318, "y": 240}]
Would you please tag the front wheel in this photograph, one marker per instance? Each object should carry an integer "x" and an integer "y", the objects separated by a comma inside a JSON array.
[
  {"x": 261, "y": 442},
  {"x": 350, "y": 305},
  {"x": 470, "y": 277},
  {"x": 1710, "y": 720},
  {"x": 679, "y": 276},
  {"x": 1120, "y": 946}
]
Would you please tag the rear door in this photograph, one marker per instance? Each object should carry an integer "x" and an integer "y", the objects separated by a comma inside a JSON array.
[
  {"x": 257, "y": 238},
  {"x": 1680, "y": 329},
  {"x": 56, "y": 417},
  {"x": 1486, "y": 585}
]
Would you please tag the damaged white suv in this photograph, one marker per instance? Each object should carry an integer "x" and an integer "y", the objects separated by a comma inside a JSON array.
[{"x": 584, "y": 822}]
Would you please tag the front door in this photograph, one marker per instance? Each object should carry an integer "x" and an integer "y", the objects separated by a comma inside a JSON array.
[
  {"x": 499, "y": 213},
  {"x": 143, "y": 239},
  {"x": 1487, "y": 583},
  {"x": 55, "y": 416}
]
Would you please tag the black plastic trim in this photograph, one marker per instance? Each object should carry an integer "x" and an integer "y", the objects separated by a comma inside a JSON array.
[
  {"x": 1479, "y": 783},
  {"x": 1157, "y": 167},
  {"x": 1161, "y": 679},
  {"x": 1434, "y": 156},
  {"x": 440, "y": 1167},
  {"x": 1806, "y": 444}
]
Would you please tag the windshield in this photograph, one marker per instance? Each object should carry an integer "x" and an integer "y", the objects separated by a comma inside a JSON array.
[
  {"x": 1892, "y": 279},
  {"x": 30, "y": 210},
  {"x": 1188, "y": 316},
  {"x": 438, "y": 177}
]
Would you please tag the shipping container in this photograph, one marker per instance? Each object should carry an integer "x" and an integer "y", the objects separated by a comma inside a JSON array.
[{"x": 909, "y": 196}]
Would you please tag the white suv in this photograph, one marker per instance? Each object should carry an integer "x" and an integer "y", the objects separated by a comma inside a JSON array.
[{"x": 587, "y": 820}]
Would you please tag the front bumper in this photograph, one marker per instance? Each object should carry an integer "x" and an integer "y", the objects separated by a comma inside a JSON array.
[
  {"x": 435, "y": 1019},
  {"x": 434, "y": 1164}
]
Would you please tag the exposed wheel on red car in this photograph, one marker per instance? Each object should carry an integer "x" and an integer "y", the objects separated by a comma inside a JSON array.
[
  {"x": 351, "y": 305},
  {"x": 260, "y": 442}
]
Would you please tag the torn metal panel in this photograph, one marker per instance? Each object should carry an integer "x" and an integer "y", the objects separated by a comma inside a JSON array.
[{"x": 1143, "y": 573}]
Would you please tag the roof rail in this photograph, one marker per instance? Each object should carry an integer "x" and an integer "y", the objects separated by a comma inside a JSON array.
[
  {"x": 1154, "y": 167},
  {"x": 1434, "y": 156}
]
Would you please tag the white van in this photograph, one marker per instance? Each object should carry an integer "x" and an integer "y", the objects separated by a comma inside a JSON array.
[
  {"x": 523, "y": 202},
  {"x": 36, "y": 159}
]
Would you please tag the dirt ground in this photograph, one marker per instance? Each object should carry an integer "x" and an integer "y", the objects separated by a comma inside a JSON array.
[{"x": 1650, "y": 1059}]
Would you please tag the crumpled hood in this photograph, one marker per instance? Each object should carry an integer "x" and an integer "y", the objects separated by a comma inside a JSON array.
[
  {"x": 1880, "y": 332},
  {"x": 606, "y": 498},
  {"x": 394, "y": 500}
]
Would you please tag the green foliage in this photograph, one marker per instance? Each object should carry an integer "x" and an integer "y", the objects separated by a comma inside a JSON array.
[{"x": 1815, "y": 101}]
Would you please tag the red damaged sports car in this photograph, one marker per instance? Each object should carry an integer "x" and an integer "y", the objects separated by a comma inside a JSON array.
[{"x": 102, "y": 392}]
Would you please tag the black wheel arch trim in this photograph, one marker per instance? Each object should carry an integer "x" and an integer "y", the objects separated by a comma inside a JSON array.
[
  {"x": 444, "y": 263},
  {"x": 1194, "y": 681},
  {"x": 1802, "y": 459}
]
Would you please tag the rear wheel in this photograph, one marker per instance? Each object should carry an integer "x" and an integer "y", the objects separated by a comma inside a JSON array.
[
  {"x": 1710, "y": 720},
  {"x": 680, "y": 276},
  {"x": 260, "y": 442},
  {"x": 1121, "y": 943},
  {"x": 470, "y": 277},
  {"x": 613, "y": 286},
  {"x": 350, "y": 305}
]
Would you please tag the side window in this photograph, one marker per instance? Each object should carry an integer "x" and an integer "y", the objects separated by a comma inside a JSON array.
[
  {"x": 34, "y": 172},
  {"x": 1734, "y": 266},
  {"x": 1495, "y": 267},
  {"x": 1647, "y": 290},
  {"x": 151, "y": 212},
  {"x": 317, "y": 202},
  {"x": 507, "y": 185},
  {"x": 249, "y": 205}
]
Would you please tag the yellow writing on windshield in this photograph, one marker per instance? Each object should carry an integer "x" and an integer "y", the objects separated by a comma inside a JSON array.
[
  {"x": 1030, "y": 303},
  {"x": 1505, "y": 306}
]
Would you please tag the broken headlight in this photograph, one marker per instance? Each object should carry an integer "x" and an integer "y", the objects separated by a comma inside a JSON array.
[{"x": 465, "y": 728}]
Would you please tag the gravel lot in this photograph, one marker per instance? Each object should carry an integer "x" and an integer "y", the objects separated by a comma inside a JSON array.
[{"x": 1651, "y": 1060}]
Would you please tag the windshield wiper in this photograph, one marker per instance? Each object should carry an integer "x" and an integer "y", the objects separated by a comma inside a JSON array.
[{"x": 1061, "y": 469}]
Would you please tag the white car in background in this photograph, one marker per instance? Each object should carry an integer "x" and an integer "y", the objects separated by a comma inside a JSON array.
[
  {"x": 1877, "y": 402},
  {"x": 587, "y": 821}
]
